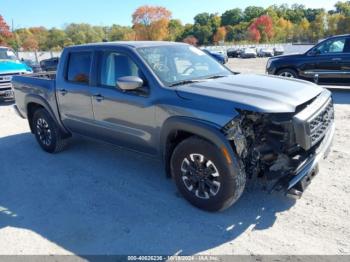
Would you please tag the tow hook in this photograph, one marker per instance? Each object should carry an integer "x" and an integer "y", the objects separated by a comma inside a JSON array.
[
  {"x": 297, "y": 190},
  {"x": 294, "y": 193}
]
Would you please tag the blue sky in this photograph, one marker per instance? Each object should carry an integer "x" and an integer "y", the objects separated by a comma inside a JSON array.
[{"x": 106, "y": 12}]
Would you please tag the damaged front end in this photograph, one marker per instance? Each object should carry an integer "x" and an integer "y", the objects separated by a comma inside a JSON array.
[{"x": 285, "y": 147}]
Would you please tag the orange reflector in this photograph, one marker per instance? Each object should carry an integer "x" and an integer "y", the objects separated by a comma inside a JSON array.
[{"x": 227, "y": 155}]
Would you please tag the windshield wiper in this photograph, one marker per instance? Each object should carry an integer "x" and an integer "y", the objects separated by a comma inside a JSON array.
[
  {"x": 216, "y": 76},
  {"x": 185, "y": 82}
]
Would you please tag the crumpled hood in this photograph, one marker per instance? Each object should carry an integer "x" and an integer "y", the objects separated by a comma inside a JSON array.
[
  {"x": 9, "y": 66},
  {"x": 258, "y": 93}
]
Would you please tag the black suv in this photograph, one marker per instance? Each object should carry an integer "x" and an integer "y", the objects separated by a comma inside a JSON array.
[
  {"x": 49, "y": 64},
  {"x": 328, "y": 62}
]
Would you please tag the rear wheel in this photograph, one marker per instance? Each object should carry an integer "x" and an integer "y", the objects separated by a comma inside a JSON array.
[
  {"x": 204, "y": 177},
  {"x": 290, "y": 73},
  {"x": 46, "y": 132}
]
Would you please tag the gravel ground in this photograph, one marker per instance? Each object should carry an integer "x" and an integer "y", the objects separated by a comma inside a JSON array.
[{"x": 97, "y": 199}]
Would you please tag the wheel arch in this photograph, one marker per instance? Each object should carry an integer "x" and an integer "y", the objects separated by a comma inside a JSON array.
[
  {"x": 177, "y": 129},
  {"x": 34, "y": 102}
]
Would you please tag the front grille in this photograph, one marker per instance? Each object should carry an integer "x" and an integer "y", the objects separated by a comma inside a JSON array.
[
  {"x": 312, "y": 123},
  {"x": 319, "y": 125},
  {"x": 5, "y": 85},
  {"x": 5, "y": 81}
]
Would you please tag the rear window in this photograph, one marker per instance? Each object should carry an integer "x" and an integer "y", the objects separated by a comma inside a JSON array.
[{"x": 79, "y": 64}]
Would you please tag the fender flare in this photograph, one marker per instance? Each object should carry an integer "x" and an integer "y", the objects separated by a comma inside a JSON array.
[
  {"x": 32, "y": 98},
  {"x": 199, "y": 128}
]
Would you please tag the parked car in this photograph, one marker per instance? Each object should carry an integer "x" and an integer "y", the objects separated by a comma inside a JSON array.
[
  {"x": 10, "y": 65},
  {"x": 35, "y": 66},
  {"x": 278, "y": 50},
  {"x": 248, "y": 53},
  {"x": 49, "y": 64},
  {"x": 222, "y": 58},
  {"x": 233, "y": 52},
  {"x": 212, "y": 129},
  {"x": 265, "y": 52},
  {"x": 326, "y": 63}
]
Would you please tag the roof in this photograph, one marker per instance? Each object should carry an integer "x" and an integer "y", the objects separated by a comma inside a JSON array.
[{"x": 133, "y": 44}]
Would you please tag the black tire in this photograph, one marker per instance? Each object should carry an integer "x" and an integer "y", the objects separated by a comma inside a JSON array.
[
  {"x": 287, "y": 72},
  {"x": 46, "y": 132},
  {"x": 225, "y": 187}
]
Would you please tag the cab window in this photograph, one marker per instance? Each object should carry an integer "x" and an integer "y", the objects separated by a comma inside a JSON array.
[
  {"x": 116, "y": 65},
  {"x": 332, "y": 46},
  {"x": 79, "y": 64}
]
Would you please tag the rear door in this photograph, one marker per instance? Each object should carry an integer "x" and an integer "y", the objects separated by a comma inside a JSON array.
[{"x": 74, "y": 94}]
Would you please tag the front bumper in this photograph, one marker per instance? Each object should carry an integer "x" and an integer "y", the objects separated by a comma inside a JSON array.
[
  {"x": 7, "y": 94},
  {"x": 295, "y": 183}
]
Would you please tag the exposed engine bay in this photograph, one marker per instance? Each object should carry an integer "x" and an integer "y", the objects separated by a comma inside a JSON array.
[{"x": 267, "y": 143}]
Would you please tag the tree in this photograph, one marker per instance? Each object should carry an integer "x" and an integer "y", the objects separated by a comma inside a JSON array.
[
  {"x": 232, "y": 17},
  {"x": 343, "y": 8},
  {"x": 343, "y": 25},
  {"x": 202, "y": 19},
  {"x": 252, "y": 12},
  {"x": 203, "y": 33},
  {"x": 151, "y": 22},
  {"x": 220, "y": 35},
  {"x": 84, "y": 33},
  {"x": 301, "y": 32},
  {"x": 318, "y": 27},
  {"x": 56, "y": 39},
  {"x": 175, "y": 29},
  {"x": 283, "y": 30},
  {"x": 119, "y": 33},
  {"x": 5, "y": 33},
  {"x": 191, "y": 40},
  {"x": 40, "y": 35},
  {"x": 261, "y": 29},
  {"x": 333, "y": 22}
]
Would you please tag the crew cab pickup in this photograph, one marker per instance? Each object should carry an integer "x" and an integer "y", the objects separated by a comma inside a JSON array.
[{"x": 213, "y": 129}]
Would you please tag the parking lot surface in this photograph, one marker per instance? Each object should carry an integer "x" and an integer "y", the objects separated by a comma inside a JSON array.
[{"x": 93, "y": 198}]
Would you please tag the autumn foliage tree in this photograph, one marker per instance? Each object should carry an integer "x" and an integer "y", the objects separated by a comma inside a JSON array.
[
  {"x": 219, "y": 35},
  {"x": 5, "y": 33},
  {"x": 151, "y": 22},
  {"x": 261, "y": 29}
]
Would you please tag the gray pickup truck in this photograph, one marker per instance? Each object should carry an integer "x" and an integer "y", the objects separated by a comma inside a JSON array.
[{"x": 213, "y": 129}]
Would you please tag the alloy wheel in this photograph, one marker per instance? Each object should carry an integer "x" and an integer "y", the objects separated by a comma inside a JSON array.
[{"x": 200, "y": 176}]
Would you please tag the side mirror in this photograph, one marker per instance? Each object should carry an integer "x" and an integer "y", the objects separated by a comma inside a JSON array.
[
  {"x": 314, "y": 52},
  {"x": 129, "y": 82}
]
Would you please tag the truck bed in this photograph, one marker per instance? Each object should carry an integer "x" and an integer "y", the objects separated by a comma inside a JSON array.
[{"x": 38, "y": 85}]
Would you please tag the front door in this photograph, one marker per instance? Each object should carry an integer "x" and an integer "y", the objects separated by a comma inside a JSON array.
[
  {"x": 126, "y": 118},
  {"x": 330, "y": 59}
]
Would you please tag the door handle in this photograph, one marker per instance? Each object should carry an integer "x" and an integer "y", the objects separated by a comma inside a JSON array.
[
  {"x": 336, "y": 59},
  {"x": 98, "y": 97},
  {"x": 63, "y": 91}
]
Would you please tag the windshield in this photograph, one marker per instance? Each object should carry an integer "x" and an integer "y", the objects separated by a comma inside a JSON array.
[
  {"x": 181, "y": 63},
  {"x": 7, "y": 54}
]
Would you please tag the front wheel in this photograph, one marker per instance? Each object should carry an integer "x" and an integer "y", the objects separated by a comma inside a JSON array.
[
  {"x": 46, "y": 132},
  {"x": 204, "y": 177},
  {"x": 290, "y": 73}
]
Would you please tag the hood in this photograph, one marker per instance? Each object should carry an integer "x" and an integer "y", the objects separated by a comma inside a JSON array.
[
  {"x": 258, "y": 93},
  {"x": 296, "y": 55},
  {"x": 13, "y": 66}
]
